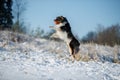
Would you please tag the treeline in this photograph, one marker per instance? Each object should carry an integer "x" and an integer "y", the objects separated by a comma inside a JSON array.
[
  {"x": 12, "y": 18},
  {"x": 105, "y": 36},
  {"x": 11, "y": 15}
]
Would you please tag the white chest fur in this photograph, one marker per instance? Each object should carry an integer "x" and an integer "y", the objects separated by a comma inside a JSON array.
[{"x": 62, "y": 34}]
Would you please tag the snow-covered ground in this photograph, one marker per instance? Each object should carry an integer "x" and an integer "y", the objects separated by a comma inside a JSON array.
[{"x": 40, "y": 59}]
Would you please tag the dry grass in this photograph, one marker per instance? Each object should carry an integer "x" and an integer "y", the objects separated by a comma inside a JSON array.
[
  {"x": 116, "y": 54},
  {"x": 91, "y": 51}
]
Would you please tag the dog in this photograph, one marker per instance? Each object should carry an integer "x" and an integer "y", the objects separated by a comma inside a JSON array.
[{"x": 63, "y": 31}]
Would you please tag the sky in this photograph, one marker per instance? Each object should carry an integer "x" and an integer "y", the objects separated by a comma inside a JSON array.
[{"x": 83, "y": 15}]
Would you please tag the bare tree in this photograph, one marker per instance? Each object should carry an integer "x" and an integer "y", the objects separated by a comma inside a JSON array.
[{"x": 19, "y": 7}]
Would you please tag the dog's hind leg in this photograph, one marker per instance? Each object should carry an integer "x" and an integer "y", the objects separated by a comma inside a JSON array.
[{"x": 71, "y": 50}]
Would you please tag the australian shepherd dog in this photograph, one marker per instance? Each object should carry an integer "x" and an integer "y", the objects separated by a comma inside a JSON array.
[{"x": 63, "y": 31}]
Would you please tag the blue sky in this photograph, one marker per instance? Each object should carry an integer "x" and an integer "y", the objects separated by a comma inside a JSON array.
[{"x": 83, "y": 15}]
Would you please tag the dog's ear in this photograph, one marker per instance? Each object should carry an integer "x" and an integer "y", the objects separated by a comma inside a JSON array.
[
  {"x": 65, "y": 19},
  {"x": 62, "y": 17}
]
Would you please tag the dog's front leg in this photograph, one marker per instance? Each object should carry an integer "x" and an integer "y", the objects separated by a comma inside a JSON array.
[{"x": 54, "y": 35}]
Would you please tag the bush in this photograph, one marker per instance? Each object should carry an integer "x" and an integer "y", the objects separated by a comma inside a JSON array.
[{"x": 109, "y": 36}]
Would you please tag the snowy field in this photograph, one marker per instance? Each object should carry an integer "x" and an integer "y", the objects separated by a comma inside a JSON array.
[{"x": 25, "y": 58}]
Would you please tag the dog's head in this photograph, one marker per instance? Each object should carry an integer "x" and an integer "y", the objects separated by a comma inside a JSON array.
[{"x": 60, "y": 19}]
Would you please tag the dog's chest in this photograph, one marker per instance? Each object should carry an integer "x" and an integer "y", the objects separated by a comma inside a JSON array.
[{"x": 63, "y": 36}]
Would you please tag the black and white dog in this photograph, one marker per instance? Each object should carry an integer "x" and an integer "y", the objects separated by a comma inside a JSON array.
[{"x": 63, "y": 31}]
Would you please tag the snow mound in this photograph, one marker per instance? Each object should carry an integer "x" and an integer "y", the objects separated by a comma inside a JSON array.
[{"x": 30, "y": 58}]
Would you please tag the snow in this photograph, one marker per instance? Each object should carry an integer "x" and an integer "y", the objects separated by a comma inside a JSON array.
[{"x": 40, "y": 59}]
